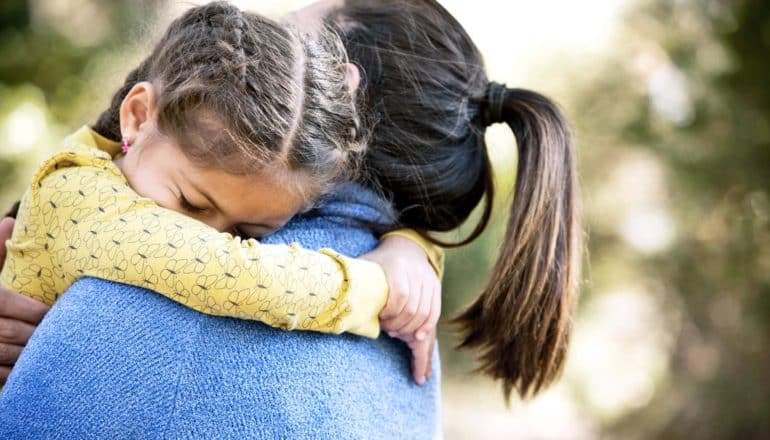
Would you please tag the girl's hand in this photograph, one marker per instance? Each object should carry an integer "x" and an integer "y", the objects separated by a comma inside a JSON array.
[
  {"x": 19, "y": 315},
  {"x": 422, "y": 353},
  {"x": 414, "y": 302}
]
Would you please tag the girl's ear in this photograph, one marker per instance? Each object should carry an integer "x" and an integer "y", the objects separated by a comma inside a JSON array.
[
  {"x": 352, "y": 76},
  {"x": 137, "y": 111}
]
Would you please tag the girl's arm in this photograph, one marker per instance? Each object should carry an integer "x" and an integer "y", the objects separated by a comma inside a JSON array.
[
  {"x": 433, "y": 252},
  {"x": 84, "y": 220}
]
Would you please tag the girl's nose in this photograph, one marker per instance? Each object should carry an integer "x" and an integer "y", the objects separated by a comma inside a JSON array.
[{"x": 220, "y": 223}]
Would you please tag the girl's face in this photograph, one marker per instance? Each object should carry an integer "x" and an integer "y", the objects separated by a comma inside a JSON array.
[
  {"x": 155, "y": 166},
  {"x": 253, "y": 205}
]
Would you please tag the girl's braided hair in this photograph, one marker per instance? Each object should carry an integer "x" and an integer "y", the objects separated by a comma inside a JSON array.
[{"x": 239, "y": 91}]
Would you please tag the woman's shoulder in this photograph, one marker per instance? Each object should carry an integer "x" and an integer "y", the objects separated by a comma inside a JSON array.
[
  {"x": 349, "y": 219},
  {"x": 357, "y": 203},
  {"x": 112, "y": 358}
]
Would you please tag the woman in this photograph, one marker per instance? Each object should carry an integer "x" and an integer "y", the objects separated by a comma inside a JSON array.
[{"x": 143, "y": 368}]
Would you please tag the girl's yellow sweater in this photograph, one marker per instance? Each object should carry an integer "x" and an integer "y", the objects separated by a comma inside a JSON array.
[{"x": 80, "y": 218}]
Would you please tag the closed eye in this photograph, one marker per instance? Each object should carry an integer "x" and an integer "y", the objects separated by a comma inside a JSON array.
[
  {"x": 253, "y": 231},
  {"x": 189, "y": 207}
]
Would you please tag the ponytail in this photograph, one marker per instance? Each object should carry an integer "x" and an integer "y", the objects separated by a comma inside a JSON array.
[{"x": 521, "y": 321}]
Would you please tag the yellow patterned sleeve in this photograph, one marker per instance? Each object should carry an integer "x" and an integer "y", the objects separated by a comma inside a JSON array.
[
  {"x": 81, "y": 219},
  {"x": 434, "y": 253}
]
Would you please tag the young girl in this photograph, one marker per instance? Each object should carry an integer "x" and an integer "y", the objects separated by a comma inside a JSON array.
[{"x": 237, "y": 125}]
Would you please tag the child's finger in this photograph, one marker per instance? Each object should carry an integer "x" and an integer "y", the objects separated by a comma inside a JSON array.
[
  {"x": 435, "y": 314},
  {"x": 430, "y": 342},
  {"x": 405, "y": 315},
  {"x": 398, "y": 296},
  {"x": 395, "y": 325},
  {"x": 420, "y": 361},
  {"x": 419, "y": 317},
  {"x": 394, "y": 314},
  {"x": 389, "y": 328}
]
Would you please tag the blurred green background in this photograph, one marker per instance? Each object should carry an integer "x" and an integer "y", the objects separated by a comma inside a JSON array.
[{"x": 670, "y": 101}]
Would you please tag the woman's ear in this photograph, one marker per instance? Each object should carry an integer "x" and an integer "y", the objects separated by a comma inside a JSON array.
[
  {"x": 352, "y": 76},
  {"x": 137, "y": 111}
]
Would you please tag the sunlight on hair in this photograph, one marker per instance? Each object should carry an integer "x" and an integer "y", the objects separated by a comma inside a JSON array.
[{"x": 270, "y": 9}]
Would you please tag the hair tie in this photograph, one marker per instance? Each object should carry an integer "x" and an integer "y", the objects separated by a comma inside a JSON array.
[{"x": 492, "y": 107}]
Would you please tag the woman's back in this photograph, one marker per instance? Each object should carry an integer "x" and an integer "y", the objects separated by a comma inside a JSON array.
[{"x": 114, "y": 360}]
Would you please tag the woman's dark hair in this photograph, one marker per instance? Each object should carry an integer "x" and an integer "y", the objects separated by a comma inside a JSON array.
[
  {"x": 239, "y": 91},
  {"x": 425, "y": 85}
]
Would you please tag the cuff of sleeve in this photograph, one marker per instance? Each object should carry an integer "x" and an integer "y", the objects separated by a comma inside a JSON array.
[
  {"x": 367, "y": 293},
  {"x": 435, "y": 254}
]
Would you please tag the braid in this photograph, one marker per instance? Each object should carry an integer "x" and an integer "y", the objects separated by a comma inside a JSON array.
[
  {"x": 227, "y": 27},
  {"x": 237, "y": 92},
  {"x": 325, "y": 88}
]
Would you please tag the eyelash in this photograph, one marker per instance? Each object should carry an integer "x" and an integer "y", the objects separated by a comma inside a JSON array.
[
  {"x": 189, "y": 207},
  {"x": 238, "y": 232}
]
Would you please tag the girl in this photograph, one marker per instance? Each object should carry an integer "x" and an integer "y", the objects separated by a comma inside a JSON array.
[{"x": 237, "y": 126}]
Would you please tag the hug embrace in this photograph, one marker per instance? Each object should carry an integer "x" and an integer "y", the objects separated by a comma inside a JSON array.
[{"x": 239, "y": 246}]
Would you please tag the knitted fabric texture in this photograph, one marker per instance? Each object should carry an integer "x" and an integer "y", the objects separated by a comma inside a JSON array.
[{"x": 115, "y": 361}]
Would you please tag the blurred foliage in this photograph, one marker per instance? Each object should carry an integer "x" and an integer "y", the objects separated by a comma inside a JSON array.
[
  {"x": 58, "y": 59},
  {"x": 674, "y": 135},
  {"x": 716, "y": 161}
]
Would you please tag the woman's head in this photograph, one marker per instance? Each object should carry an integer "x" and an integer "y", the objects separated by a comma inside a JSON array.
[
  {"x": 423, "y": 82},
  {"x": 245, "y": 95},
  {"x": 425, "y": 87}
]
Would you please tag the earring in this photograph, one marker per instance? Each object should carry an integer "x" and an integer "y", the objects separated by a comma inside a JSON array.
[{"x": 125, "y": 146}]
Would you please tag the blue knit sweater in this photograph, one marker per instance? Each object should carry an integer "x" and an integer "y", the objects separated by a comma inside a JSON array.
[{"x": 115, "y": 361}]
